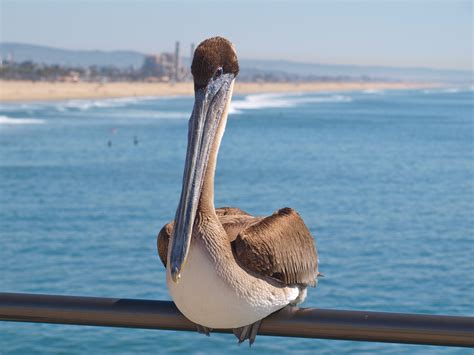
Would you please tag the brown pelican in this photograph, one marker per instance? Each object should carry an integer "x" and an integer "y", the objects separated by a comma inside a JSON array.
[{"x": 224, "y": 267}]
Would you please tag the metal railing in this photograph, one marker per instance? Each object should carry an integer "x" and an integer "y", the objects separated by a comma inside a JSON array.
[{"x": 291, "y": 321}]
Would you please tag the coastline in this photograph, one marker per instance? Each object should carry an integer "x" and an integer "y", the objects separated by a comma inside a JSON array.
[{"x": 23, "y": 91}]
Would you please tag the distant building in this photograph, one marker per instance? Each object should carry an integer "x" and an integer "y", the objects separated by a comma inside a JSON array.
[
  {"x": 158, "y": 67},
  {"x": 164, "y": 67}
]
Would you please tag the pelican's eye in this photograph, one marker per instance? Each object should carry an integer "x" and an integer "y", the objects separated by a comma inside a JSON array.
[{"x": 218, "y": 72}]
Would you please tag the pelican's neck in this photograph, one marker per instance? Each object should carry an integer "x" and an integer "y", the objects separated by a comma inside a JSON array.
[{"x": 206, "y": 201}]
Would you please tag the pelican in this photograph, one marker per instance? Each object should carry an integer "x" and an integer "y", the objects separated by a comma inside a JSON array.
[{"x": 226, "y": 269}]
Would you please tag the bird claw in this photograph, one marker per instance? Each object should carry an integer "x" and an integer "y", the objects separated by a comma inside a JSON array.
[
  {"x": 203, "y": 330},
  {"x": 248, "y": 332}
]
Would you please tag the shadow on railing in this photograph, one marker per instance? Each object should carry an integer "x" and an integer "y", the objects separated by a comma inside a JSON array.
[{"x": 291, "y": 321}]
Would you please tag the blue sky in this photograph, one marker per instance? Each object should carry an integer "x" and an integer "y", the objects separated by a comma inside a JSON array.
[{"x": 419, "y": 33}]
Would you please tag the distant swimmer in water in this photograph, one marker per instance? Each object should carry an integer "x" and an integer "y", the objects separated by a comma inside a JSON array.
[
  {"x": 135, "y": 140},
  {"x": 109, "y": 143}
]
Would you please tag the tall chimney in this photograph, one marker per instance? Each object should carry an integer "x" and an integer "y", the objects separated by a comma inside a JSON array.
[
  {"x": 176, "y": 62},
  {"x": 192, "y": 51}
]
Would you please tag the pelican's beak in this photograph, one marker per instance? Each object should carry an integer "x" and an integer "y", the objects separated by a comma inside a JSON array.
[{"x": 209, "y": 107}]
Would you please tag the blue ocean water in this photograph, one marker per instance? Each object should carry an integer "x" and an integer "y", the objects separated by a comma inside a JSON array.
[{"x": 384, "y": 181}]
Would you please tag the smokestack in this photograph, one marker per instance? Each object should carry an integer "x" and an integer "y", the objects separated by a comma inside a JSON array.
[
  {"x": 192, "y": 51},
  {"x": 176, "y": 62}
]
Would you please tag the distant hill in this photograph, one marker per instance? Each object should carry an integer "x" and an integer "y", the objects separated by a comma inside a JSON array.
[
  {"x": 49, "y": 55},
  {"x": 380, "y": 72},
  {"x": 122, "y": 59}
]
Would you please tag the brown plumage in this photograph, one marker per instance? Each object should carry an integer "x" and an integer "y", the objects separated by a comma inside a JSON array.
[
  {"x": 279, "y": 246},
  {"x": 213, "y": 53}
]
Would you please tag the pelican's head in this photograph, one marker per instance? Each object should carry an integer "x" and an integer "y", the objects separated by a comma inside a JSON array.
[{"x": 214, "y": 69}]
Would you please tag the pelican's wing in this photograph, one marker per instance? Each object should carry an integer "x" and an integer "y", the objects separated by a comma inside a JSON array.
[
  {"x": 279, "y": 246},
  {"x": 230, "y": 211},
  {"x": 163, "y": 240},
  {"x": 233, "y": 220}
]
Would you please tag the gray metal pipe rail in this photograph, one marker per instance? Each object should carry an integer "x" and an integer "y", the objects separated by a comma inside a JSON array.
[{"x": 291, "y": 321}]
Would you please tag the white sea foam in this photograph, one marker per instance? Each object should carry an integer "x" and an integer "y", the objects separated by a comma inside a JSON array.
[
  {"x": 452, "y": 90},
  {"x": 259, "y": 101},
  {"x": 84, "y": 105},
  {"x": 147, "y": 114},
  {"x": 333, "y": 98},
  {"x": 78, "y": 105},
  {"x": 20, "y": 106},
  {"x": 112, "y": 108},
  {"x": 373, "y": 91},
  {"x": 5, "y": 120}
]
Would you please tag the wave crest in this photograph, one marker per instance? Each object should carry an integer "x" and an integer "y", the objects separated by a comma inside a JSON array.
[
  {"x": 259, "y": 101},
  {"x": 88, "y": 104},
  {"x": 5, "y": 120}
]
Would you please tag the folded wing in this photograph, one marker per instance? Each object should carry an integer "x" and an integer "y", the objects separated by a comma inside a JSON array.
[{"x": 279, "y": 246}]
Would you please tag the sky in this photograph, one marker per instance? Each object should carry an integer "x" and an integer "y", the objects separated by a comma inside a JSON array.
[{"x": 429, "y": 33}]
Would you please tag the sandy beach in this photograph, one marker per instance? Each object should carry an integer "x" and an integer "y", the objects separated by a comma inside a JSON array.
[{"x": 11, "y": 91}]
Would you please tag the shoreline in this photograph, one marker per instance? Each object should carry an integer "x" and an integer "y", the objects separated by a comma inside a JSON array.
[{"x": 24, "y": 91}]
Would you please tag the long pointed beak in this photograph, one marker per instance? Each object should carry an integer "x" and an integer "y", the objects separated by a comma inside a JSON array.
[{"x": 209, "y": 106}]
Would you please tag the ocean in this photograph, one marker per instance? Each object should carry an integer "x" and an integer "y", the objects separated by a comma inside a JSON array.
[{"x": 383, "y": 179}]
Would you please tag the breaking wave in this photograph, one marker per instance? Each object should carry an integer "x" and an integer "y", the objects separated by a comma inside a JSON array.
[
  {"x": 77, "y": 104},
  {"x": 84, "y": 105},
  {"x": 451, "y": 90},
  {"x": 259, "y": 101},
  {"x": 5, "y": 120},
  {"x": 147, "y": 114},
  {"x": 373, "y": 91}
]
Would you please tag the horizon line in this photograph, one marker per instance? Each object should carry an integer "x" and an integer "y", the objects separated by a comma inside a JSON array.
[{"x": 379, "y": 66}]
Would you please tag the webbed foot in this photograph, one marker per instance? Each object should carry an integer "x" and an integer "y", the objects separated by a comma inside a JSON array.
[
  {"x": 203, "y": 330},
  {"x": 248, "y": 332}
]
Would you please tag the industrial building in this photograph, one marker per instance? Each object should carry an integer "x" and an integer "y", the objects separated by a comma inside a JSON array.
[{"x": 165, "y": 67}]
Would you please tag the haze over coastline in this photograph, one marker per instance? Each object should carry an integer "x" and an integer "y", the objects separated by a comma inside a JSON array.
[
  {"x": 323, "y": 44},
  {"x": 429, "y": 34},
  {"x": 124, "y": 58},
  {"x": 256, "y": 76}
]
